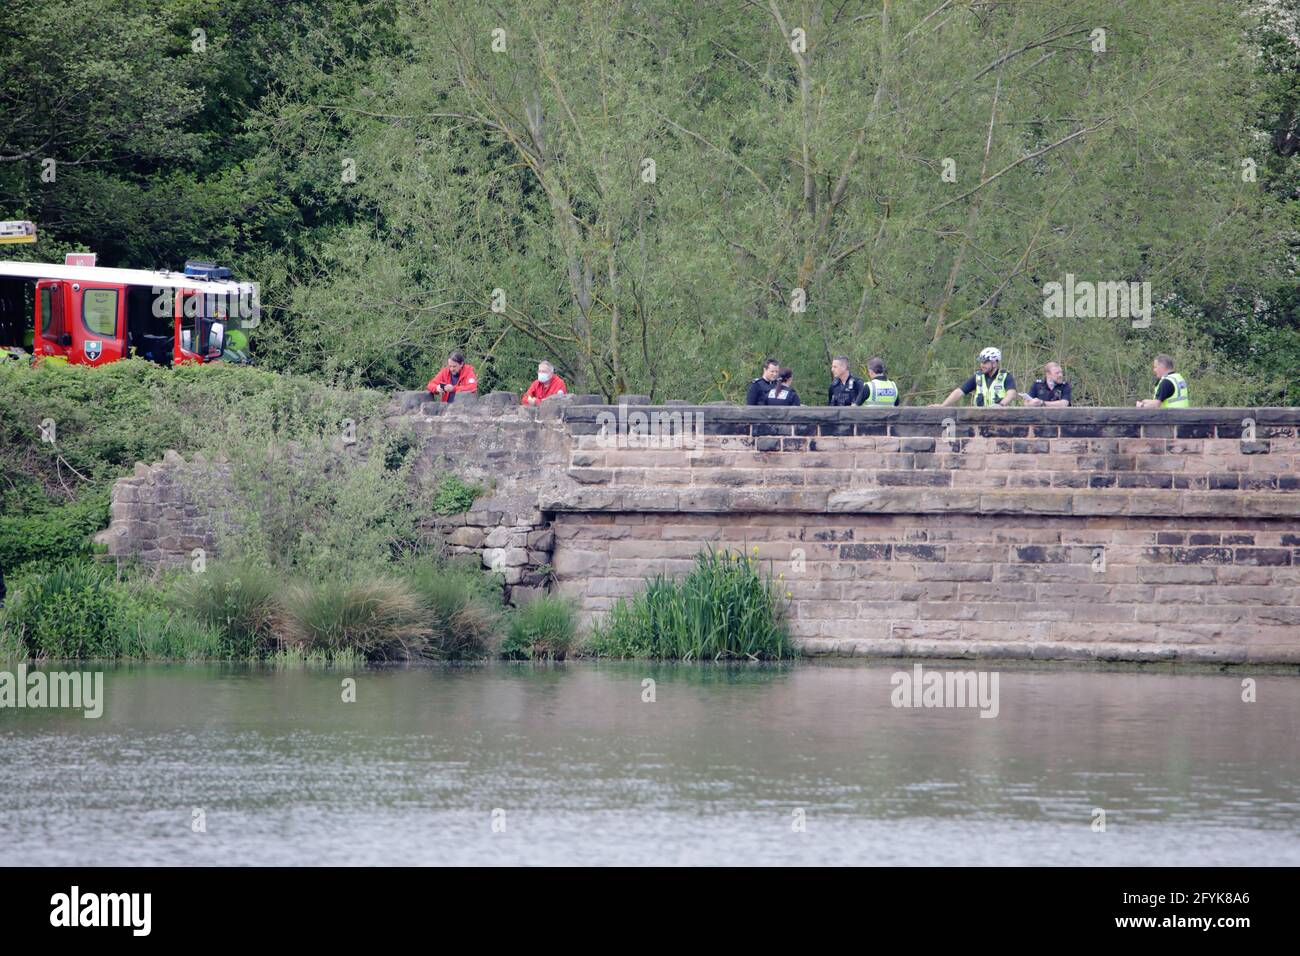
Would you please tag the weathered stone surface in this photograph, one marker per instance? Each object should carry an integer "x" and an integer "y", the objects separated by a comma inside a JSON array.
[
  {"x": 522, "y": 594},
  {"x": 466, "y": 537}
]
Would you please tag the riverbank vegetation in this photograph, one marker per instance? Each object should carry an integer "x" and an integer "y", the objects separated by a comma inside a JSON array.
[
  {"x": 323, "y": 552},
  {"x": 424, "y": 609}
]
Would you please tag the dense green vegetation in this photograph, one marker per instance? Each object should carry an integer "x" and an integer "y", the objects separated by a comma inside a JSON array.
[
  {"x": 426, "y": 609},
  {"x": 323, "y": 554},
  {"x": 724, "y": 608},
  {"x": 67, "y": 432},
  {"x": 80, "y": 609},
  {"x": 920, "y": 169}
]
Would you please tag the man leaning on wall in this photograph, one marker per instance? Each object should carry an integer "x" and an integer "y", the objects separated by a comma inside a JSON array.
[
  {"x": 990, "y": 387},
  {"x": 1050, "y": 390},
  {"x": 544, "y": 386},
  {"x": 1171, "y": 388}
]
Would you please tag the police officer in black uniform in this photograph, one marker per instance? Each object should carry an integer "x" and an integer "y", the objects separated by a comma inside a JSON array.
[
  {"x": 783, "y": 393},
  {"x": 760, "y": 386},
  {"x": 845, "y": 389}
]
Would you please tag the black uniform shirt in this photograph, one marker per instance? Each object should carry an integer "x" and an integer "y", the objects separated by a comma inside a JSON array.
[
  {"x": 846, "y": 392},
  {"x": 758, "y": 389},
  {"x": 1061, "y": 390}
]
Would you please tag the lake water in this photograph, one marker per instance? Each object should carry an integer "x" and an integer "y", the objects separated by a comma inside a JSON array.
[{"x": 520, "y": 764}]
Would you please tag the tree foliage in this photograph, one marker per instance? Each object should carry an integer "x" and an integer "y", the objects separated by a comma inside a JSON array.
[{"x": 655, "y": 195}]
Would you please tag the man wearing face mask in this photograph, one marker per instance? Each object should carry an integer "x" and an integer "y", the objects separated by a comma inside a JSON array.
[{"x": 546, "y": 385}]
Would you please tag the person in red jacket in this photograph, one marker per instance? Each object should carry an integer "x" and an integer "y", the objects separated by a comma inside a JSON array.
[
  {"x": 546, "y": 385},
  {"x": 455, "y": 376}
]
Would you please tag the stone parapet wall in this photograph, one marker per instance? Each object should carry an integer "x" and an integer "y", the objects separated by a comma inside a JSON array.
[{"x": 826, "y": 452}]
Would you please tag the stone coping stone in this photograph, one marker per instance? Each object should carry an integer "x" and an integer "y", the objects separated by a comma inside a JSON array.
[
  {"x": 1080, "y": 503},
  {"x": 920, "y": 415}
]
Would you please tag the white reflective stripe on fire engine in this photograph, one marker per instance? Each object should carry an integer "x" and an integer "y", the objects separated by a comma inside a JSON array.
[{"x": 142, "y": 277}]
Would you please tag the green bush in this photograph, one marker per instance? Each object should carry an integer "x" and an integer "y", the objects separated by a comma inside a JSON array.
[
  {"x": 454, "y": 496},
  {"x": 67, "y": 611},
  {"x": 12, "y": 645},
  {"x": 54, "y": 533},
  {"x": 380, "y": 619},
  {"x": 722, "y": 609},
  {"x": 543, "y": 629},
  {"x": 238, "y": 601},
  {"x": 462, "y": 607}
]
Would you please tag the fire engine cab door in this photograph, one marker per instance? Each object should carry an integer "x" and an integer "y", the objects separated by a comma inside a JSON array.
[
  {"x": 51, "y": 335},
  {"x": 98, "y": 323},
  {"x": 200, "y": 327}
]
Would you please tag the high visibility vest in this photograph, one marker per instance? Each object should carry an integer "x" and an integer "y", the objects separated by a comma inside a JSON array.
[
  {"x": 1177, "y": 400},
  {"x": 880, "y": 391},
  {"x": 993, "y": 392}
]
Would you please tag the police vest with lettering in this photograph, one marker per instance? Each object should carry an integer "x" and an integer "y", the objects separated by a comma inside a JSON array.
[
  {"x": 880, "y": 391},
  {"x": 1177, "y": 400},
  {"x": 993, "y": 392}
]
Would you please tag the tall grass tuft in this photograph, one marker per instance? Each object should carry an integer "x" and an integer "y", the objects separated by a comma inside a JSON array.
[
  {"x": 723, "y": 609},
  {"x": 155, "y": 633},
  {"x": 238, "y": 600},
  {"x": 462, "y": 607},
  {"x": 378, "y": 618},
  {"x": 541, "y": 630}
]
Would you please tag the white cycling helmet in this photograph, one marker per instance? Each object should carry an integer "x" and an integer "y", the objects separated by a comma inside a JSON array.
[{"x": 991, "y": 355}]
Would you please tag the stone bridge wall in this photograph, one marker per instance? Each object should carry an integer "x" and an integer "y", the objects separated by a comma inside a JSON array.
[{"x": 1023, "y": 533}]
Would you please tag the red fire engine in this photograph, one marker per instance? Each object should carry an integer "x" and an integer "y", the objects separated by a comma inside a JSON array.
[{"x": 87, "y": 315}]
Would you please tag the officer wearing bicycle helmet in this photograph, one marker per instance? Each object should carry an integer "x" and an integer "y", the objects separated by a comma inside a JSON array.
[{"x": 992, "y": 385}]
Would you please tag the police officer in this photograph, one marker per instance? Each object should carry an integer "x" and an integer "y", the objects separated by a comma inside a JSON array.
[
  {"x": 1171, "y": 388},
  {"x": 845, "y": 389},
  {"x": 782, "y": 393},
  {"x": 992, "y": 384},
  {"x": 879, "y": 390},
  {"x": 1051, "y": 389},
  {"x": 760, "y": 386}
]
